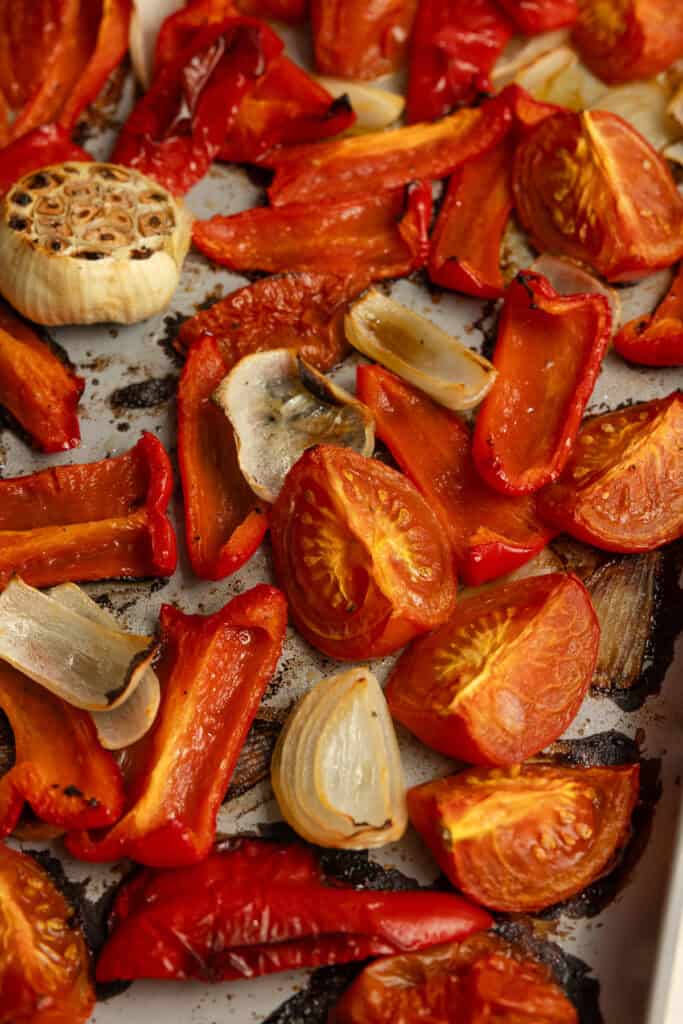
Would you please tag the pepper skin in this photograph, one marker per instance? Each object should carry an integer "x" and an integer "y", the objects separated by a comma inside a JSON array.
[
  {"x": 93, "y": 521},
  {"x": 213, "y": 672},
  {"x": 656, "y": 340},
  {"x": 224, "y": 524},
  {"x": 379, "y": 235},
  {"x": 60, "y": 770},
  {"x": 254, "y": 907},
  {"x": 50, "y": 144},
  {"x": 353, "y": 39}
]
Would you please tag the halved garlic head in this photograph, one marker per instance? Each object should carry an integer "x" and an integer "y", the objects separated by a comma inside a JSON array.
[
  {"x": 568, "y": 278},
  {"x": 374, "y": 108},
  {"x": 84, "y": 243},
  {"x": 336, "y": 770},
  {"x": 279, "y": 405},
  {"x": 419, "y": 351}
]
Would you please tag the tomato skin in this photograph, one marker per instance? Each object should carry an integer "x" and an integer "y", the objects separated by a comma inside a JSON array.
[
  {"x": 623, "y": 40},
  {"x": 656, "y": 340},
  {"x": 588, "y": 186},
  {"x": 478, "y": 980},
  {"x": 622, "y": 489},
  {"x": 529, "y": 837},
  {"x": 505, "y": 676},
  {"x": 44, "y": 964},
  {"x": 361, "y": 556}
]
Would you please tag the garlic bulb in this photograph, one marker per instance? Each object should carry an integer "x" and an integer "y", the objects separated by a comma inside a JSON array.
[
  {"x": 374, "y": 108},
  {"x": 84, "y": 243},
  {"x": 336, "y": 770}
]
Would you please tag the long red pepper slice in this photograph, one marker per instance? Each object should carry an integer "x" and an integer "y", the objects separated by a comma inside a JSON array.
[
  {"x": 534, "y": 16},
  {"x": 60, "y": 769},
  {"x": 50, "y": 144},
  {"x": 213, "y": 672},
  {"x": 179, "y": 125},
  {"x": 548, "y": 355},
  {"x": 36, "y": 387},
  {"x": 491, "y": 533},
  {"x": 258, "y": 907},
  {"x": 354, "y": 39},
  {"x": 656, "y": 340},
  {"x": 93, "y": 521},
  {"x": 224, "y": 524},
  {"x": 301, "y": 310},
  {"x": 386, "y": 159},
  {"x": 376, "y": 235},
  {"x": 454, "y": 45}
]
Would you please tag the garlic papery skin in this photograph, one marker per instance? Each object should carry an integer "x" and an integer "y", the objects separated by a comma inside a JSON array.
[
  {"x": 336, "y": 770},
  {"x": 84, "y": 243}
]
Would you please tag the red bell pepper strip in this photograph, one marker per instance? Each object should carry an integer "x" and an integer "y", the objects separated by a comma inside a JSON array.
[
  {"x": 656, "y": 340},
  {"x": 279, "y": 10},
  {"x": 110, "y": 48},
  {"x": 548, "y": 355},
  {"x": 50, "y": 144},
  {"x": 303, "y": 311},
  {"x": 386, "y": 159},
  {"x": 95, "y": 521},
  {"x": 60, "y": 769},
  {"x": 352, "y": 39},
  {"x": 378, "y": 236},
  {"x": 491, "y": 534},
  {"x": 534, "y": 16},
  {"x": 36, "y": 387},
  {"x": 259, "y": 907},
  {"x": 224, "y": 524},
  {"x": 213, "y": 672},
  {"x": 179, "y": 125},
  {"x": 454, "y": 45}
]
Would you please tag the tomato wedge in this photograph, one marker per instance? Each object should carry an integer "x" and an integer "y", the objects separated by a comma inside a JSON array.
[
  {"x": 623, "y": 487},
  {"x": 480, "y": 979},
  {"x": 526, "y": 838},
  {"x": 505, "y": 676},
  {"x": 590, "y": 187},
  {"x": 622, "y": 40},
  {"x": 548, "y": 355},
  {"x": 361, "y": 556},
  {"x": 44, "y": 966},
  {"x": 656, "y": 340}
]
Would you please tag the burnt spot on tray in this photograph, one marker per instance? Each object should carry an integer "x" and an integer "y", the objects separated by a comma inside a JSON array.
[
  {"x": 8, "y": 752},
  {"x": 145, "y": 394},
  {"x": 253, "y": 765},
  {"x": 354, "y": 867},
  {"x": 313, "y": 1004},
  {"x": 167, "y": 341}
]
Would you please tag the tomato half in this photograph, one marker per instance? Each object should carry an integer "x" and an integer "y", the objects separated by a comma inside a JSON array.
[
  {"x": 590, "y": 187},
  {"x": 622, "y": 489},
  {"x": 528, "y": 837},
  {"x": 44, "y": 966},
  {"x": 361, "y": 556},
  {"x": 622, "y": 40},
  {"x": 656, "y": 340},
  {"x": 482, "y": 979},
  {"x": 505, "y": 676}
]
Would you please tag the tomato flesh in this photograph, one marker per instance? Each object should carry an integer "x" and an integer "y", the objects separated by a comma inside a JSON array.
[
  {"x": 505, "y": 676},
  {"x": 528, "y": 837},
  {"x": 623, "y": 40}
]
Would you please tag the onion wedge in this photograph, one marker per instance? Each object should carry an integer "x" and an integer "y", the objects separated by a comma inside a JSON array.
[
  {"x": 145, "y": 22},
  {"x": 85, "y": 663},
  {"x": 645, "y": 106},
  {"x": 419, "y": 351},
  {"x": 128, "y": 722},
  {"x": 279, "y": 405},
  {"x": 374, "y": 108},
  {"x": 521, "y": 51},
  {"x": 557, "y": 76},
  {"x": 336, "y": 770},
  {"x": 568, "y": 278}
]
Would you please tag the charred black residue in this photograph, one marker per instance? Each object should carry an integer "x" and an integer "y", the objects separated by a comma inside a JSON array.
[
  {"x": 145, "y": 394},
  {"x": 313, "y": 1004},
  {"x": 487, "y": 325},
  {"x": 253, "y": 765},
  {"x": 8, "y": 752},
  {"x": 260, "y": 177},
  {"x": 354, "y": 867},
  {"x": 167, "y": 341}
]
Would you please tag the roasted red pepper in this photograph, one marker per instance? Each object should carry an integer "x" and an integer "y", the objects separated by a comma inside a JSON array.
[
  {"x": 378, "y": 235},
  {"x": 224, "y": 524},
  {"x": 491, "y": 533},
  {"x": 534, "y": 16},
  {"x": 631, "y": 39},
  {"x": 280, "y": 10},
  {"x": 548, "y": 356},
  {"x": 303, "y": 311},
  {"x": 454, "y": 45},
  {"x": 95, "y": 521},
  {"x": 213, "y": 672},
  {"x": 50, "y": 144},
  {"x": 352, "y": 39},
  {"x": 255, "y": 907},
  {"x": 36, "y": 387},
  {"x": 386, "y": 159},
  {"x": 656, "y": 340},
  {"x": 180, "y": 124},
  {"x": 60, "y": 769}
]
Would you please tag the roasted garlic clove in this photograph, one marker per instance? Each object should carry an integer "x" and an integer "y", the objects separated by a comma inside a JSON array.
[{"x": 84, "y": 243}]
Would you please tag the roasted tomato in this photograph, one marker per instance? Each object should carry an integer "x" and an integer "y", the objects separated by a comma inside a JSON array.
[
  {"x": 534, "y": 16},
  {"x": 505, "y": 676},
  {"x": 623, "y": 487},
  {"x": 523, "y": 839},
  {"x": 44, "y": 967},
  {"x": 482, "y": 979},
  {"x": 656, "y": 340},
  {"x": 590, "y": 187},
  {"x": 622, "y": 40},
  {"x": 361, "y": 556}
]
